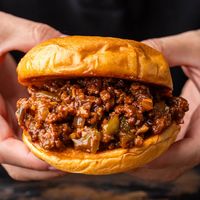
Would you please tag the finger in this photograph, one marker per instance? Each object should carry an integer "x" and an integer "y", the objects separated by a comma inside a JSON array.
[
  {"x": 178, "y": 159},
  {"x": 15, "y": 152},
  {"x": 181, "y": 152},
  {"x": 191, "y": 93},
  {"x": 23, "y": 174},
  {"x": 7, "y": 112},
  {"x": 5, "y": 130},
  {"x": 3, "y": 111},
  {"x": 158, "y": 175},
  {"x": 194, "y": 128},
  {"x": 9, "y": 91},
  {"x": 21, "y": 34},
  {"x": 194, "y": 74},
  {"x": 181, "y": 49}
]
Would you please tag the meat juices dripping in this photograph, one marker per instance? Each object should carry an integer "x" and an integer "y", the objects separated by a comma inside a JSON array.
[{"x": 97, "y": 114}]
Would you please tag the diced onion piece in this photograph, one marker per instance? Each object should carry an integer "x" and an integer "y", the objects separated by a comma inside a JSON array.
[
  {"x": 147, "y": 104},
  {"x": 79, "y": 122},
  {"x": 144, "y": 128},
  {"x": 49, "y": 95},
  {"x": 89, "y": 141}
]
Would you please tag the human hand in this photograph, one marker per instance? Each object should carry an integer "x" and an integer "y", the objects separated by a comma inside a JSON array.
[
  {"x": 18, "y": 34},
  {"x": 179, "y": 50}
]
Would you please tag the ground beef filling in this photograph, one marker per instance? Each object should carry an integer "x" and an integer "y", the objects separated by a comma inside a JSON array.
[{"x": 96, "y": 114}]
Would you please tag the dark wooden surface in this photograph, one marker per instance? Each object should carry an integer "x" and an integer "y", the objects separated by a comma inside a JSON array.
[{"x": 113, "y": 187}]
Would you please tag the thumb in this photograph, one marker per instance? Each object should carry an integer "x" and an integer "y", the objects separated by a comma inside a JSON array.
[
  {"x": 21, "y": 34},
  {"x": 181, "y": 49}
]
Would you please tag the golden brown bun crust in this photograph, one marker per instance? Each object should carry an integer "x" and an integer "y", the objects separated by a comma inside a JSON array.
[
  {"x": 89, "y": 56},
  {"x": 107, "y": 162}
]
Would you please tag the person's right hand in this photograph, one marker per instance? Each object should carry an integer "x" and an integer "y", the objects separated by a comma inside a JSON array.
[{"x": 18, "y": 34}]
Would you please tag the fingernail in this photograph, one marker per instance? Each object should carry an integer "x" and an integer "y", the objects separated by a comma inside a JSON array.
[{"x": 52, "y": 168}]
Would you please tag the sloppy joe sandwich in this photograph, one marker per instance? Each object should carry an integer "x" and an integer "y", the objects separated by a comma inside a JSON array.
[{"x": 97, "y": 105}]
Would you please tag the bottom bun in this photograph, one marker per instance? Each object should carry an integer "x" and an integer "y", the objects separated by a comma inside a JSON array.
[{"x": 109, "y": 161}]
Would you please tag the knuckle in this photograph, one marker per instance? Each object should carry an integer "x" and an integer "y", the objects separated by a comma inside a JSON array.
[
  {"x": 41, "y": 32},
  {"x": 156, "y": 44}
]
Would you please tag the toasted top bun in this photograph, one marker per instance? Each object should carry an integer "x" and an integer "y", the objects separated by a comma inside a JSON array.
[
  {"x": 90, "y": 56},
  {"x": 109, "y": 161}
]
